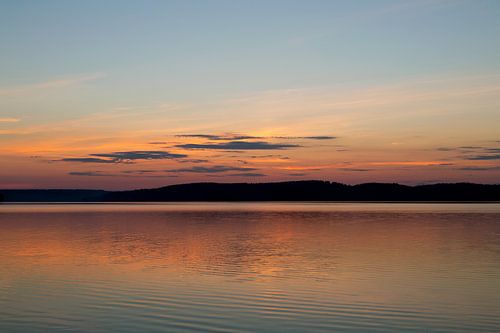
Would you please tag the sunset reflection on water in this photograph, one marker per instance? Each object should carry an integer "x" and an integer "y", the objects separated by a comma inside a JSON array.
[{"x": 250, "y": 267}]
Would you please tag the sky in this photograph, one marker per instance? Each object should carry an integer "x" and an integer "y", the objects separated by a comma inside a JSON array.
[{"x": 137, "y": 94}]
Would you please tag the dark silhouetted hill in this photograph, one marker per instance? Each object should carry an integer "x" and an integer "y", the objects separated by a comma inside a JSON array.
[
  {"x": 52, "y": 195},
  {"x": 311, "y": 191},
  {"x": 281, "y": 191}
]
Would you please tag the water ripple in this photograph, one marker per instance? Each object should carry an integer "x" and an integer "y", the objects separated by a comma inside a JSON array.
[{"x": 244, "y": 270}]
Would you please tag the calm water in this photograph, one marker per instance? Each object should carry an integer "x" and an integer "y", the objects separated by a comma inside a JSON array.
[{"x": 250, "y": 268}]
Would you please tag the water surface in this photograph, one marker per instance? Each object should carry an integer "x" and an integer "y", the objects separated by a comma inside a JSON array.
[{"x": 250, "y": 267}]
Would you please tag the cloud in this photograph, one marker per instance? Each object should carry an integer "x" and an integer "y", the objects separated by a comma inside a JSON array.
[
  {"x": 248, "y": 174},
  {"x": 240, "y": 145},
  {"x": 477, "y": 168},
  {"x": 121, "y": 156},
  {"x": 85, "y": 160},
  {"x": 203, "y": 136},
  {"x": 412, "y": 163},
  {"x": 89, "y": 173},
  {"x": 318, "y": 137},
  {"x": 51, "y": 84},
  {"x": 469, "y": 149},
  {"x": 235, "y": 137},
  {"x": 140, "y": 172},
  {"x": 193, "y": 161},
  {"x": 303, "y": 168},
  {"x": 211, "y": 169},
  {"x": 9, "y": 120},
  {"x": 219, "y": 137},
  {"x": 158, "y": 143},
  {"x": 297, "y": 174},
  {"x": 129, "y": 173},
  {"x": 484, "y": 157},
  {"x": 355, "y": 169},
  {"x": 267, "y": 156}
]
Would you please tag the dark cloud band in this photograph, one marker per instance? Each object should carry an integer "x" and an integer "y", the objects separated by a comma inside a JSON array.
[
  {"x": 236, "y": 137},
  {"x": 240, "y": 145},
  {"x": 140, "y": 155},
  {"x": 124, "y": 157},
  {"x": 484, "y": 157}
]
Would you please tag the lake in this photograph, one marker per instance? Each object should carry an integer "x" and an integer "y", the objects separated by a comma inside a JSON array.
[{"x": 250, "y": 267}]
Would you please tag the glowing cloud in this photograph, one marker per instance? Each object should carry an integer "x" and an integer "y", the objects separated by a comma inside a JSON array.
[{"x": 9, "y": 120}]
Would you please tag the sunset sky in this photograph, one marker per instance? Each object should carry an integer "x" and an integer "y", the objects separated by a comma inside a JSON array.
[{"x": 135, "y": 94}]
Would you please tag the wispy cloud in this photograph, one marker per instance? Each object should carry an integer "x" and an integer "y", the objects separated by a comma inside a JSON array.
[
  {"x": 478, "y": 168},
  {"x": 272, "y": 160},
  {"x": 484, "y": 157},
  {"x": 90, "y": 174},
  {"x": 139, "y": 172},
  {"x": 355, "y": 169},
  {"x": 9, "y": 120},
  {"x": 50, "y": 84},
  {"x": 193, "y": 160},
  {"x": 411, "y": 163},
  {"x": 305, "y": 167},
  {"x": 317, "y": 137},
  {"x": 352, "y": 109},
  {"x": 469, "y": 148},
  {"x": 269, "y": 156},
  {"x": 211, "y": 169}
]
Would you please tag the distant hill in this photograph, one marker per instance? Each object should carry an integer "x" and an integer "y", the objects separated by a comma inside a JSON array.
[
  {"x": 51, "y": 195},
  {"x": 281, "y": 191}
]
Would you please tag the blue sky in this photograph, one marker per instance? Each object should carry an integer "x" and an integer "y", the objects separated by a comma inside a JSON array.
[{"x": 207, "y": 47}]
